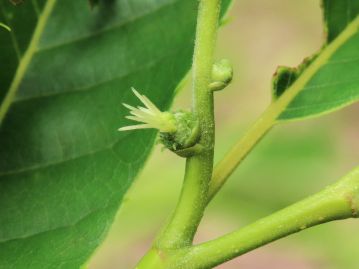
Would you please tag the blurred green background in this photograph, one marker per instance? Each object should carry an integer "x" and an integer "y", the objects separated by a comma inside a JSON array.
[{"x": 293, "y": 161}]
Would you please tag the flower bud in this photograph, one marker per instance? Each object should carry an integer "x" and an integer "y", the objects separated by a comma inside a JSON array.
[
  {"x": 222, "y": 73},
  {"x": 179, "y": 131},
  {"x": 186, "y": 134}
]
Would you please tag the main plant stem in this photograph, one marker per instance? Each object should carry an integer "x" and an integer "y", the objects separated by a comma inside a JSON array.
[
  {"x": 179, "y": 232},
  {"x": 192, "y": 202}
]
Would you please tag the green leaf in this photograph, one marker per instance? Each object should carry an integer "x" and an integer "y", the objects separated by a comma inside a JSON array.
[
  {"x": 285, "y": 76},
  {"x": 336, "y": 83},
  {"x": 337, "y": 15},
  {"x": 64, "y": 167}
]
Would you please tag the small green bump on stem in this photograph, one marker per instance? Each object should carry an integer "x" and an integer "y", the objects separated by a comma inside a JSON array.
[
  {"x": 222, "y": 74},
  {"x": 186, "y": 135}
]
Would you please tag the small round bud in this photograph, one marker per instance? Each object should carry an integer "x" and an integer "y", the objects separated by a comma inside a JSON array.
[
  {"x": 222, "y": 74},
  {"x": 186, "y": 134}
]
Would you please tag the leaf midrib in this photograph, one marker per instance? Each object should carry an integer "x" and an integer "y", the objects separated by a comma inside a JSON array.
[
  {"x": 26, "y": 59},
  {"x": 85, "y": 89}
]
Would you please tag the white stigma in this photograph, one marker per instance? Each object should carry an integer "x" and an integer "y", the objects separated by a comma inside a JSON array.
[{"x": 150, "y": 116}]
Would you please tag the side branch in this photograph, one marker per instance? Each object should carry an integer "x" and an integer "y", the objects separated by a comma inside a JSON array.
[
  {"x": 338, "y": 201},
  {"x": 230, "y": 162}
]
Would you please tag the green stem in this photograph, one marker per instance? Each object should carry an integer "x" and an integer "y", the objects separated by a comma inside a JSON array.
[
  {"x": 269, "y": 118},
  {"x": 189, "y": 211},
  {"x": 338, "y": 201},
  {"x": 193, "y": 199}
]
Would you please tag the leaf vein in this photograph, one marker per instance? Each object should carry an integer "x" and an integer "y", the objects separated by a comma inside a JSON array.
[{"x": 109, "y": 29}]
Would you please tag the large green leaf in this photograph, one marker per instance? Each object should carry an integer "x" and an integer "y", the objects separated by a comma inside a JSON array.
[
  {"x": 336, "y": 83},
  {"x": 64, "y": 168}
]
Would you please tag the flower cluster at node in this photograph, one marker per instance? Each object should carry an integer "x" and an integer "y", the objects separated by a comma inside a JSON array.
[{"x": 150, "y": 116}]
